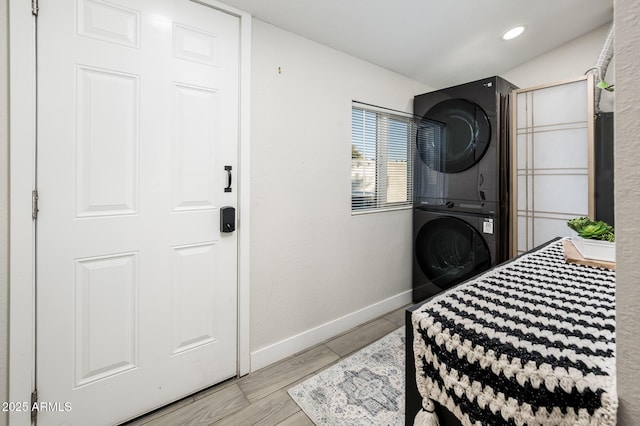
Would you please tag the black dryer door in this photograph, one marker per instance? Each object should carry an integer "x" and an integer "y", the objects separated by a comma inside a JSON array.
[
  {"x": 449, "y": 251},
  {"x": 453, "y": 135}
]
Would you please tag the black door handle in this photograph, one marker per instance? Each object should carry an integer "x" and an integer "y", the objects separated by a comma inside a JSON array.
[{"x": 229, "y": 178}]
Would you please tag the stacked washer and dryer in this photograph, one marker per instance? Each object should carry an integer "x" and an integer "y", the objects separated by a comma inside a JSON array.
[{"x": 461, "y": 182}]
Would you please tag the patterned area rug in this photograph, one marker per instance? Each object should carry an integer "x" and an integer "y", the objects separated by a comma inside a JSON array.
[{"x": 365, "y": 389}]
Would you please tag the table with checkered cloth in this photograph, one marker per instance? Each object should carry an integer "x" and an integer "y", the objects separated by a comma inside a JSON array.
[{"x": 529, "y": 342}]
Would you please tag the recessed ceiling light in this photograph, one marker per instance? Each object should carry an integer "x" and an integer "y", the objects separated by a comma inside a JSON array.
[{"x": 513, "y": 32}]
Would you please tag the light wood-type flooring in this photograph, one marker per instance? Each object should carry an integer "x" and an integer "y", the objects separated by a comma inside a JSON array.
[{"x": 261, "y": 397}]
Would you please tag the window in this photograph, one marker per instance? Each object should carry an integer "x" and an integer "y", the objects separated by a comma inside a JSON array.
[{"x": 381, "y": 158}]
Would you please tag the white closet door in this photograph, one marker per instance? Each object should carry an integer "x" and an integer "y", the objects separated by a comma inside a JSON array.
[
  {"x": 553, "y": 154},
  {"x": 136, "y": 284}
]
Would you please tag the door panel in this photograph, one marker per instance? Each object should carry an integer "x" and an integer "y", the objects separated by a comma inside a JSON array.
[
  {"x": 554, "y": 179},
  {"x": 137, "y": 287},
  {"x": 105, "y": 317},
  {"x": 107, "y": 143}
]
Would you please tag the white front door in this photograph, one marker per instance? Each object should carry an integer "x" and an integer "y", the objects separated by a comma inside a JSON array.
[{"x": 136, "y": 285}]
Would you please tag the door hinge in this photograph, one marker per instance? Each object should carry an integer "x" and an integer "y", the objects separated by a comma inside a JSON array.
[
  {"x": 34, "y": 204},
  {"x": 34, "y": 402},
  {"x": 34, "y": 7}
]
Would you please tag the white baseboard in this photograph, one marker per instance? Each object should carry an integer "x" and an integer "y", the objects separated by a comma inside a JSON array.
[{"x": 294, "y": 344}]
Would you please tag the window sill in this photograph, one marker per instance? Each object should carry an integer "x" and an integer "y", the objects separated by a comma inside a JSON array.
[{"x": 380, "y": 210}]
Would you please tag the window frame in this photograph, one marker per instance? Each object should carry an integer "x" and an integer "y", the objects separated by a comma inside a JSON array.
[{"x": 383, "y": 116}]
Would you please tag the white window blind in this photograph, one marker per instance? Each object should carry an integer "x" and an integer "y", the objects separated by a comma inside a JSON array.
[{"x": 381, "y": 158}]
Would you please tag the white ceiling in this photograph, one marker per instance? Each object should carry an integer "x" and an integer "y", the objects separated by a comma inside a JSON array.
[{"x": 438, "y": 42}]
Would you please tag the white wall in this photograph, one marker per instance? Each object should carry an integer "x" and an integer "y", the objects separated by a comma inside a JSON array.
[
  {"x": 312, "y": 262},
  {"x": 570, "y": 60},
  {"x": 4, "y": 204},
  {"x": 627, "y": 196}
]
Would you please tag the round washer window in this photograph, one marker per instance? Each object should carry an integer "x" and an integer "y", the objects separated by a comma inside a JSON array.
[
  {"x": 449, "y": 251},
  {"x": 453, "y": 135}
]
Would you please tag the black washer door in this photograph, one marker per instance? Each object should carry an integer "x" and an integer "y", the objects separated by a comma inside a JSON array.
[
  {"x": 453, "y": 135},
  {"x": 450, "y": 251}
]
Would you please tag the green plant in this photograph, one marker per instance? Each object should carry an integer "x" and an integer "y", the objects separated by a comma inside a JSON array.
[{"x": 594, "y": 230}]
